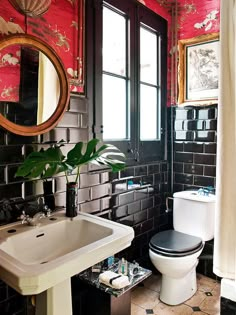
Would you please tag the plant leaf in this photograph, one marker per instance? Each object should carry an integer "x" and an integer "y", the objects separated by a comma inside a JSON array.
[{"x": 44, "y": 163}]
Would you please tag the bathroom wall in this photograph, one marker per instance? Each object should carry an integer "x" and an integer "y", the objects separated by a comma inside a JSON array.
[
  {"x": 100, "y": 193},
  {"x": 195, "y": 127}
]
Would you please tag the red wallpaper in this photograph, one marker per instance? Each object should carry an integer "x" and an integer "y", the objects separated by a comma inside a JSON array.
[
  {"x": 197, "y": 17},
  {"x": 57, "y": 27}
]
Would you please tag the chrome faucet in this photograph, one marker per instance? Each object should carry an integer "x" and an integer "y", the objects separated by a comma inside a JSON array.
[{"x": 34, "y": 221}]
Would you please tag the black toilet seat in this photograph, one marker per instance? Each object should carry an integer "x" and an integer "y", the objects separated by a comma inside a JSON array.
[{"x": 175, "y": 244}]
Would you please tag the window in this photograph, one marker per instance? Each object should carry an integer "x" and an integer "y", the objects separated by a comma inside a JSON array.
[{"x": 126, "y": 74}]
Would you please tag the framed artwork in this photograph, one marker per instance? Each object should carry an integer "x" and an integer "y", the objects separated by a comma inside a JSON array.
[
  {"x": 77, "y": 79},
  {"x": 198, "y": 75}
]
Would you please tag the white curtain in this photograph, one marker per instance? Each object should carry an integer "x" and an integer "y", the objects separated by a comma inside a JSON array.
[
  {"x": 48, "y": 89},
  {"x": 225, "y": 233}
]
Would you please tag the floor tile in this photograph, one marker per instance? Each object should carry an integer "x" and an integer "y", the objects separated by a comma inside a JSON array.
[
  {"x": 153, "y": 283},
  {"x": 216, "y": 290},
  {"x": 206, "y": 301},
  {"x": 137, "y": 310},
  {"x": 205, "y": 284},
  {"x": 197, "y": 299},
  {"x": 211, "y": 305},
  {"x": 144, "y": 297},
  {"x": 163, "y": 309}
]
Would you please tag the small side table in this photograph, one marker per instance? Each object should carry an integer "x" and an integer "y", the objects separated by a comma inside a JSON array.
[{"x": 100, "y": 299}]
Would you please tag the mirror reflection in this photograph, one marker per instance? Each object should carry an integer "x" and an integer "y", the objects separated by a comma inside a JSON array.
[{"x": 29, "y": 85}]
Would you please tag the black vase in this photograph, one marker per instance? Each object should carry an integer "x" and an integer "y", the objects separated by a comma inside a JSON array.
[
  {"x": 48, "y": 195},
  {"x": 71, "y": 199}
]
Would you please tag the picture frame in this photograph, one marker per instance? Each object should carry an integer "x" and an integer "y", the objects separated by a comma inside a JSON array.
[
  {"x": 78, "y": 78},
  {"x": 198, "y": 75}
]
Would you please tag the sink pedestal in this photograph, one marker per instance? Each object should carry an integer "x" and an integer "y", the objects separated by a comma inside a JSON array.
[{"x": 56, "y": 300}]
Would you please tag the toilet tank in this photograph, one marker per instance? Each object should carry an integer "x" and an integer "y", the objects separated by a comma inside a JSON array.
[{"x": 194, "y": 214}]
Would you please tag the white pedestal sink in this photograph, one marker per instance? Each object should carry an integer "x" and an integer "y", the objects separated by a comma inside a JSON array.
[{"x": 41, "y": 260}]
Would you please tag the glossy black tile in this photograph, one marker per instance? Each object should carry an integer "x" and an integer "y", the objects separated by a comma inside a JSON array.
[
  {"x": 134, "y": 207},
  {"x": 10, "y": 191},
  {"x": 178, "y": 187},
  {"x": 70, "y": 119},
  {"x": 153, "y": 212},
  {"x": 153, "y": 168},
  {"x": 208, "y": 113},
  {"x": 211, "y": 124},
  {"x": 164, "y": 167},
  {"x": 140, "y": 217},
  {"x": 90, "y": 207},
  {"x": 178, "y": 146},
  {"x": 15, "y": 139},
  {"x": 147, "y": 203},
  {"x": 78, "y": 104},
  {"x": 148, "y": 180},
  {"x": 209, "y": 159},
  {"x": 11, "y": 154},
  {"x": 210, "y": 148},
  {"x": 119, "y": 186},
  {"x": 183, "y": 157},
  {"x": 179, "y": 124},
  {"x": 204, "y": 136},
  {"x": 193, "y": 125},
  {"x": 100, "y": 191},
  {"x": 157, "y": 200},
  {"x": 11, "y": 170},
  {"x": 127, "y": 172},
  {"x": 204, "y": 181},
  {"x": 193, "y": 147},
  {"x": 141, "y": 194},
  {"x": 140, "y": 170},
  {"x": 2, "y": 175},
  {"x": 193, "y": 169},
  {"x": 210, "y": 171},
  {"x": 183, "y": 178},
  {"x": 126, "y": 198},
  {"x": 119, "y": 212},
  {"x": 184, "y": 135},
  {"x": 129, "y": 220},
  {"x": 2, "y": 137},
  {"x": 184, "y": 114},
  {"x": 178, "y": 167}
]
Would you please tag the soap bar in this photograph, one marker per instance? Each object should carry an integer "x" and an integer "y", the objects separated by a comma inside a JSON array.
[{"x": 114, "y": 280}]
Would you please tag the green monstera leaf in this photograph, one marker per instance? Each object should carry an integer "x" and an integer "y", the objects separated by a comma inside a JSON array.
[
  {"x": 44, "y": 163},
  {"x": 47, "y": 163}
]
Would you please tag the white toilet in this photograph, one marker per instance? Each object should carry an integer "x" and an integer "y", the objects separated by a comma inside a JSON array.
[{"x": 175, "y": 253}]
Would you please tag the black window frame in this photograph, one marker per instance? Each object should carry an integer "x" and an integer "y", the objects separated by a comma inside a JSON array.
[{"x": 136, "y": 151}]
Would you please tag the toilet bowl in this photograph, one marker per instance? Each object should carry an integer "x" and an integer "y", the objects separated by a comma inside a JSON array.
[{"x": 175, "y": 253}]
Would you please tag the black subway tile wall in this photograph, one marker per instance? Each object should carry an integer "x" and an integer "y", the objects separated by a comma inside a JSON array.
[
  {"x": 194, "y": 164},
  {"x": 194, "y": 147},
  {"x": 135, "y": 196},
  {"x": 138, "y": 200}
]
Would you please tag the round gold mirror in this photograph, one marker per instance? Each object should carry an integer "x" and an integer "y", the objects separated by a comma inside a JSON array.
[{"x": 34, "y": 90}]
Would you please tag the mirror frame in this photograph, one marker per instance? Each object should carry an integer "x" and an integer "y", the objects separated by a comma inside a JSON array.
[{"x": 32, "y": 41}]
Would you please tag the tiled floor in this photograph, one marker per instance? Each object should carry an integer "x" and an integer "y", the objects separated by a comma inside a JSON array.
[{"x": 145, "y": 299}]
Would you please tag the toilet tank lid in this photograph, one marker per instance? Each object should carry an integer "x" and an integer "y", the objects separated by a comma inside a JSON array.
[{"x": 193, "y": 195}]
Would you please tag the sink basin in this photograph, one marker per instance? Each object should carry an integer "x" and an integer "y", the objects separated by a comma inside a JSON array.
[{"x": 35, "y": 259}]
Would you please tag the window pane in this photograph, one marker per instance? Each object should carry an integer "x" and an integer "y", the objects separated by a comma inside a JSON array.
[
  {"x": 148, "y": 56},
  {"x": 114, "y": 108},
  {"x": 114, "y": 42},
  {"x": 148, "y": 112}
]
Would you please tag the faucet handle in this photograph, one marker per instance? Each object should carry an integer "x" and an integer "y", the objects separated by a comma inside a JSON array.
[
  {"x": 23, "y": 217},
  {"x": 47, "y": 211}
]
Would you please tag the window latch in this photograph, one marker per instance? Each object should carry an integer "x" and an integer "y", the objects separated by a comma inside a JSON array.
[{"x": 97, "y": 129}]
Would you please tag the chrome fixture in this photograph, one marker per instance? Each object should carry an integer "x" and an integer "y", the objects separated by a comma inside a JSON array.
[{"x": 34, "y": 221}]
